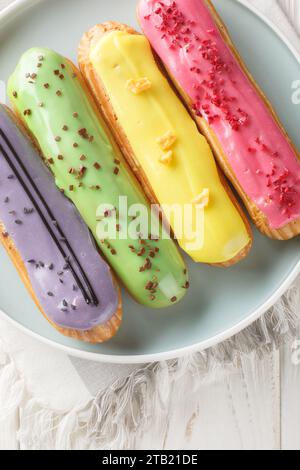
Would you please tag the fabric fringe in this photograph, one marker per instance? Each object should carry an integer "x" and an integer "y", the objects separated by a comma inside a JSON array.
[{"x": 116, "y": 416}]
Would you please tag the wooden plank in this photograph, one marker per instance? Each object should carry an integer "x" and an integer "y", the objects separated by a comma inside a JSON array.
[
  {"x": 292, "y": 10},
  {"x": 236, "y": 408},
  {"x": 8, "y": 432},
  {"x": 290, "y": 393}
]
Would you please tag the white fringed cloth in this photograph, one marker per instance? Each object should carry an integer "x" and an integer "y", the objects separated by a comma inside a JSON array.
[{"x": 51, "y": 401}]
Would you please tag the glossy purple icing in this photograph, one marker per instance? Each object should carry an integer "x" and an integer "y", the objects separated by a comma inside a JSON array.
[{"x": 58, "y": 293}]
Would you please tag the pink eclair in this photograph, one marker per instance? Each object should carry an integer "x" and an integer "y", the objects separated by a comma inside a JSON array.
[{"x": 248, "y": 140}]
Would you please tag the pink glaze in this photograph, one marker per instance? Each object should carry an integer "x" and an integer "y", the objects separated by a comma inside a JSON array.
[{"x": 186, "y": 37}]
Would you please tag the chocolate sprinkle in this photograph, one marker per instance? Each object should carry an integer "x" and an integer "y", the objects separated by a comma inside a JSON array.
[
  {"x": 28, "y": 211},
  {"x": 141, "y": 252},
  {"x": 83, "y": 133},
  {"x": 82, "y": 171},
  {"x": 149, "y": 285}
]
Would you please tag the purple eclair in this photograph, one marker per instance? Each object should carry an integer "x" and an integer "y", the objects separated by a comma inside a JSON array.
[{"x": 50, "y": 245}]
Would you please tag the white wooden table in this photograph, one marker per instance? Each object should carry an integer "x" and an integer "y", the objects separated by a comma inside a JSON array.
[{"x": 255, "y": 407}]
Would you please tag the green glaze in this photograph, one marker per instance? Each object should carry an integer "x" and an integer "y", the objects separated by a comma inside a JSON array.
[{"x": 46, "y": 101}]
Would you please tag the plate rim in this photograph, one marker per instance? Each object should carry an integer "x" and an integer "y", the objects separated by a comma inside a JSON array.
[{"x": 8, "y": 14}]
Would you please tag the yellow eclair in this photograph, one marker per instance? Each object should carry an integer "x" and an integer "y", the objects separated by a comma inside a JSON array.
[{"x": 161, "y": 143}]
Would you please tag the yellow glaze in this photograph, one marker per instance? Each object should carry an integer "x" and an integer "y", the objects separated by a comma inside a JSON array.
[{"x": 175, "y": 157}]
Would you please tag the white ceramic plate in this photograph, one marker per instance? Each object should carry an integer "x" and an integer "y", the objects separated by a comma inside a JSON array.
[{"x": 220, "y": 302}]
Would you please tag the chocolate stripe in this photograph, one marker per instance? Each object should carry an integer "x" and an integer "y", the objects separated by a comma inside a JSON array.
[{"x": 87, "y": 290}]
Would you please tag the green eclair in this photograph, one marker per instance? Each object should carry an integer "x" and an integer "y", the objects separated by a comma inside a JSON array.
[{"x": 49, "y": 96}]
